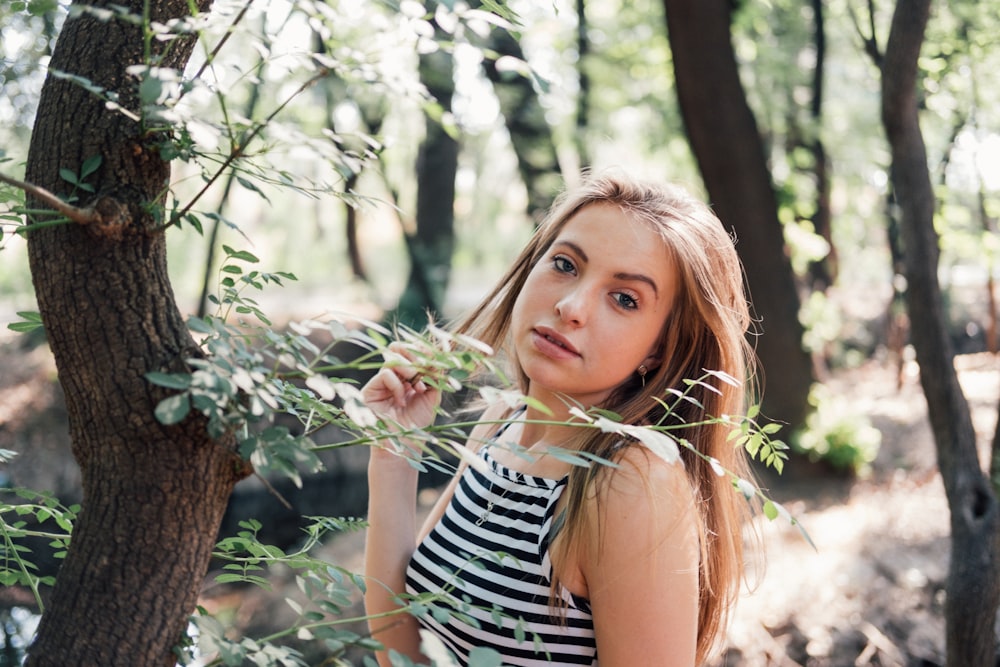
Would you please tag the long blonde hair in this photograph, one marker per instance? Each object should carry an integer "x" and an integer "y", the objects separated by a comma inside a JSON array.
[{"x": 705, "y": 330}]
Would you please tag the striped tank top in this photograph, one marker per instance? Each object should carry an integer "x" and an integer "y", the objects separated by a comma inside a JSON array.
[{"x": 487, "y": 561}]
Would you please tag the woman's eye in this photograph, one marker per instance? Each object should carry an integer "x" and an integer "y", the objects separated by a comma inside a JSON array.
[
  {"x": 563, "y": 265},
  {"x": 626, "y": 301}
]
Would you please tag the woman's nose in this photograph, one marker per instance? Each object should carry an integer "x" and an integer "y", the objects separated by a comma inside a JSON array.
[{"x": 572, "y": 307}]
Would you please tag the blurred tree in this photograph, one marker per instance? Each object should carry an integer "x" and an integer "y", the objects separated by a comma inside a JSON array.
[
  {"x": 431, "y": 245},
  {"x": 973, "y": 586},
  {"x": 788, "y": 102},
  {"x": 212, "y": 242},
  {"x": 524, "y": 117},
  {"x": 582, "y": 119},
  {"x": 153, "y": 495},
  {"x": 822, "y": 271},
  {"x": 724, "y": 137}
]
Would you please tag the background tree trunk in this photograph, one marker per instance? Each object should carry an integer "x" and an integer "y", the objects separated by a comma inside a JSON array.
[
  {"x": 725, "y": 140},
  {"x": 430, "y": 249},
  {"x": 583, "y": 79},
  {"x": 153, "y": 496},
  {"x": 973, "y": 586},
  {"x": 823, "y": 272},
  {"x": 524, "y": 116}
]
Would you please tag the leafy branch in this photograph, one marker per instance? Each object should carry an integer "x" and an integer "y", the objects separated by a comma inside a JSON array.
[
  {"x": 42, "y": 508},
  {"x": 90, "y": 215}
]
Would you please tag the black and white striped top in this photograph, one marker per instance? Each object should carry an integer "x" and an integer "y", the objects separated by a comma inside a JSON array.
[{"x": 488, "y": 558}]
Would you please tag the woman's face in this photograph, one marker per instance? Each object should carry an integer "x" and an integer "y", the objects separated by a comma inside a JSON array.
[{"x": 593, "y": 307}]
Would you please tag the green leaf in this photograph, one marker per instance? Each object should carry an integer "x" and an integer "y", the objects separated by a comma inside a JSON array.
[
  {"x": 251, "y": 186},
  {"x": 199, "y": 325},
  {"x": 90, "y": 165},
  {"x": 173, "y": 409},
  {"x": 68, "y": 175},
  {"x": 484, "y": 657},
  {"x": 150, "y": 89},
  {"x": 195, "y": 222},
  {"x": 770, "y": 510},
  {"x": 31, "y": 320},
  {"x": 42, "y": 7},
  {"x": 240, "y": 254},
  {"x": 169, "y": 380}
]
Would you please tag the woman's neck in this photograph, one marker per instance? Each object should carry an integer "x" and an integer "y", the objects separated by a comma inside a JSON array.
[{"x": 548, "y": 429}]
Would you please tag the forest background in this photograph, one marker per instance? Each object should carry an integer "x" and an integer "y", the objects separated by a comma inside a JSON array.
[{"x": 395, "y": 156}]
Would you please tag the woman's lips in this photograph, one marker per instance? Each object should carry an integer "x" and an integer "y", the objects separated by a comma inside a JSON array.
[{"x": 551, "y": 344}]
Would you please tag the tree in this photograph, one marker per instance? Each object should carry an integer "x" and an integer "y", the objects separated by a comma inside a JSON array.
[
  {"x": 724, "y": 138},
  {"x": 430, "y": 247},
  {"x": 153, "y": 495},
  {"x": 524, "y": 116},
  {"x": 973, "y": 584}
]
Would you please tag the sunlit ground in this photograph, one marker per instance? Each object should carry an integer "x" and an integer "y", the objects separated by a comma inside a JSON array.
[{"x": 872, "y": 591}]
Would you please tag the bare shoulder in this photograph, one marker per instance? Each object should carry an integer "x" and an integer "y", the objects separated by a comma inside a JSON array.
[
  {"x": 642, "y": 474},
  {"x": 640, "y": 562}
]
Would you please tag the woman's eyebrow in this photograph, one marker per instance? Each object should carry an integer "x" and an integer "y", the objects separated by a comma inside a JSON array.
[
  {"x": 639, "y": 277},
  {"x": 575, "y": 248}
]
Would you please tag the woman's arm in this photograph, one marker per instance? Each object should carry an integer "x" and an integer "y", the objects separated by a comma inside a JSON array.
[
  {"x": 392, "y": 486},
  {"x": 640, "y": 563},
  {"x": 390, "y": 541},
  {"x": 397, "y": 396}
]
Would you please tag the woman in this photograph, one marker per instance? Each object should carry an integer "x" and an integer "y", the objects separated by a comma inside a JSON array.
[{"x": 625, "y": 292}]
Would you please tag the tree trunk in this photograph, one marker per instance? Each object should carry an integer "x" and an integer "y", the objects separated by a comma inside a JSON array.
[
  {"x": 530, "y": 134},
  {"x": 724, "y": 137},
  {"x": 824, "y": 271},
  {"x": 430, "y": 249},
  {"x": 583, "y": 77},
  {"x": 973, "y": 588},
  {"x": 153, "y": 496}
]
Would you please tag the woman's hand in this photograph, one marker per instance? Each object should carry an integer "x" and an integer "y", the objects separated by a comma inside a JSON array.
[{"x": 398, "y": 394}]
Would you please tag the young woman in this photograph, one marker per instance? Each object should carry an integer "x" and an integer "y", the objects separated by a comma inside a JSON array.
[{"x": 625, "y": 291}]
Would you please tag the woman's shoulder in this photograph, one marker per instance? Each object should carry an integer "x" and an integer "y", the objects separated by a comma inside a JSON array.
[{"x": 639, "y": 474}]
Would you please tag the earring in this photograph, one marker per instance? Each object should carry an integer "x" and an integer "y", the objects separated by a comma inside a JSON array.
[{"x": 642, "y": 370}]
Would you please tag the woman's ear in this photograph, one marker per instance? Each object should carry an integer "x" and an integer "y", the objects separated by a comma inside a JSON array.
[{"x": 652, "y": 362}]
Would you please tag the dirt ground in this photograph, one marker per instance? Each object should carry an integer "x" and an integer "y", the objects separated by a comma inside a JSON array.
[{"x": 870, "y": 593}]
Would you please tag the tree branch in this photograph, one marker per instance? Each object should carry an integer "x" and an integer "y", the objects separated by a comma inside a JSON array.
[
  {"x": 83, "y": 216},
  {"x": 237, "y": 150}
]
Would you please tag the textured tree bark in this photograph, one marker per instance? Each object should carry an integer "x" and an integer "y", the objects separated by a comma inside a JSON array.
[
  {"x": 724, "y": 137},
  {"x": 973, "y": 588},
  {"x": 153, "y": 496}
]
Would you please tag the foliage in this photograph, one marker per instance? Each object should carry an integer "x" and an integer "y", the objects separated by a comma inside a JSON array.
[
  {"x": 447, "y": 362},
  {"x": 249, "y": 372},
  {"x": 837, "y": 433},
  {"x": 23, "y": 513},
  {"x": 252, "y": 373}
]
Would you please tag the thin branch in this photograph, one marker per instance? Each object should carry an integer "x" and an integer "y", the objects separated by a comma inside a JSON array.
[
  {"x": 273, "y": 491},
  {"x": 237, "y": 150},
  {"x": 218, "y": 47},
  {"x": 83, "y": 216},
  {"x": 870, "y": 41}
]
